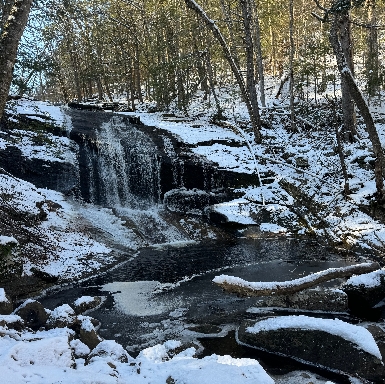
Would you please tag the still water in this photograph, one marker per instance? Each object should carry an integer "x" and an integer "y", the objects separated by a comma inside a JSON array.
[{"x": 167, "y": 292}]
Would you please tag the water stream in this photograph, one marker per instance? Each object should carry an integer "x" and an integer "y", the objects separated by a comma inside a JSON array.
[{"x": 166, "y": 291}]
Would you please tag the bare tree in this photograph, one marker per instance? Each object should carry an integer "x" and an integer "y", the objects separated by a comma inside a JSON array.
[
  {"x": 253, "y": 112},
  {"x": 361, "y": 104},
  {"x": 12, "y": 31}
]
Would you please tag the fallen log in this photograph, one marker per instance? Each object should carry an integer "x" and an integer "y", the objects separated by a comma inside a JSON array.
[{"x": 242, "y": 287}]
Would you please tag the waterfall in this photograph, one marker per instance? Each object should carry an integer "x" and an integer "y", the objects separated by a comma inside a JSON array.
[
  {"x": 121, "y": 170},
  {"x": 123, "y": 167}
]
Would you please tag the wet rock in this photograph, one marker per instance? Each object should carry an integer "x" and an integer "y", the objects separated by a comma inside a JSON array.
[
  {"x": 12, "y": 322},
  {"x": 6, "y": 306},
  {"x": 317, "y": 347},
  {"x": 365, "y": 292},
  {"x": 33, "y": 313},
  {"x": 186, "y": 201},
  {"x": 87, "y": 332},
  {"x": 86, "y": 303},
  {"x": 111, "y": 351},
  {"x": 320, "y": 299},
  {"x": 61, "y": 317}
]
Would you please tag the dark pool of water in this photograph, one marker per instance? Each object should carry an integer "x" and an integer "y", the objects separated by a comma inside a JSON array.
[{"x": 137, "y": 317}]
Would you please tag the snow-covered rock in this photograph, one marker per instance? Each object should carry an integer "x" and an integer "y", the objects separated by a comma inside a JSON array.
[{"x": 331, "y": 344}]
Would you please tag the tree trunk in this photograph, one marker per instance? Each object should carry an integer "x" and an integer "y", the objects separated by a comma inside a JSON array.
[
  {"x": 291, "y": 66},
  {"x": 250, "y": 75},
  {"x": 255, "y": 119},
  {"x": 9, "y": 41},
  {"x": 258, "y": 47},
  {"x": 345, "y": 37},
  {"x": 372, "y": 62},
  {"x": 211, "y": 82},
  {"x": 362, "y": 106},
  {"x": 138, "y": 81},
  {"x": 244, "y": 288}
]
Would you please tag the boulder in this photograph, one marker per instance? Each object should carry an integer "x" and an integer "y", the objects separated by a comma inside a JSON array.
[
  {"x": 109, "y": 350},
  {"x": 86, "y": 303},
  {"x": 188, "y": 201},
  {"x": 80, "y": 350},
  {"x": 87, "y": 332},
  {"x": 9, "y": 266},
  {"x": 61, "y": 317},
  {"x": 331, "y": 344},
  {"x": 6, "y": 306},
  {"x": 12, "y": 322},
  {"x": 45, "y": 276},
  {"x": 33, "y": 313},
  {"x": 365, "y": 292},
  {"x": 319, "y": 299}
]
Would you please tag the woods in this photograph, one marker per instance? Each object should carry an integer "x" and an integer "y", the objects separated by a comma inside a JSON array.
[{"x": 169, "y": 52}]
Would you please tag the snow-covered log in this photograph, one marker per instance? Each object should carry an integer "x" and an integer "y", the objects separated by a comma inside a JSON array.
[{"x": 245, "y": 288}]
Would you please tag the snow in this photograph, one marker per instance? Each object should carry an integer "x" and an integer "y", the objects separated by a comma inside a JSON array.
[
  {"x": 10, "y": 318},
  {"x": 368, "y": 280},
  {"x": 137, "y": 298},
  {"x": 45, "y": 357},
  {"x": 79, "y": 348},
  {"x": 63, "y": 313},
  {"x": 358, "y": 335},
  {"x": 86, "y": 323},
  {"x": 84, "y": 300},
  {"x": 4, "y": 240},
  {"x": 273, "y": 228},
  {"x": 3, "y": 297}
]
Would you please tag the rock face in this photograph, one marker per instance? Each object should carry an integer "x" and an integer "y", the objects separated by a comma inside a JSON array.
[
  {"x": 193, "y": 201},
  {"x": 315, "y": 347},
  {"x": 60, "y": 176}
]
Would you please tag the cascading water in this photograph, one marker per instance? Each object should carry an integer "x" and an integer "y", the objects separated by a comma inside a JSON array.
[
  {"x": 121, "y": 171},
  {"x": 123, "y": 168}
]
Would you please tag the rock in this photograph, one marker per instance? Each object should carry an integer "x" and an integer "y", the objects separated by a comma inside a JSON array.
[
  {"x": 109, "y": 350},
  {"x": 61, "y": 317},
  {"x": 365, "y": 292},
  {"x": 86, "y": 303},
  {"x": 319, "y": 299},
  {"x": 12, "y": 322},
  {"x": 80, "y": 349},
  {"x": 87, "y": 332},
  {"x": 6, "y": 306},
  {"x": 331, "y": 344},
  {"x": 33, "y": 313},
  {"x": 9, "y": 267},
  {"x": 378, "y": 334},
  {"x": 47, "y": 277},
  {"x": 185, "y": 201}
]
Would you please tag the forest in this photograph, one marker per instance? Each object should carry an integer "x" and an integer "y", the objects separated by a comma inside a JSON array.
[{"x": 164, "y": 52}]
